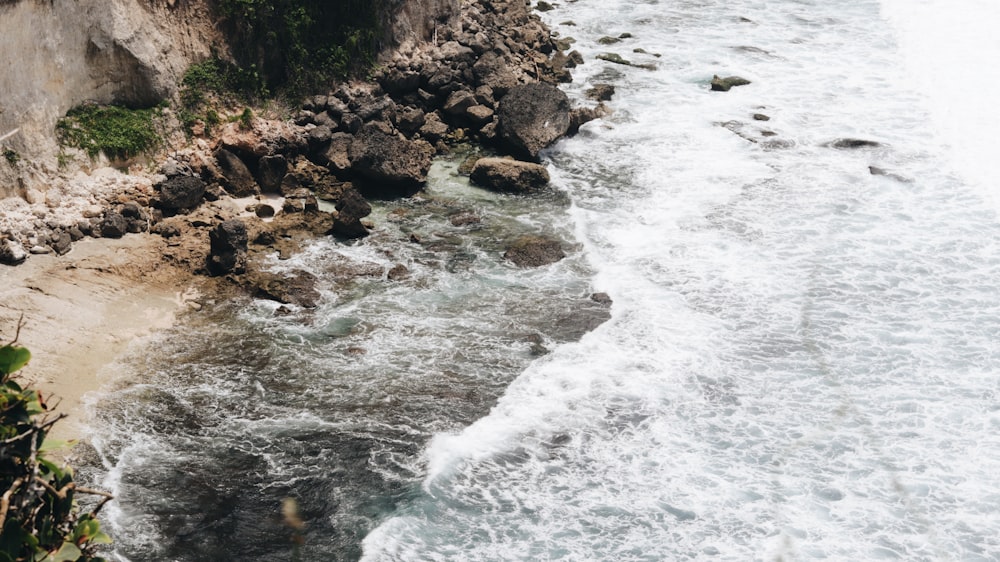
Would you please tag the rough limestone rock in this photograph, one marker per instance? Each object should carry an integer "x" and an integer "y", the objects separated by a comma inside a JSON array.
[
  {"x": 351, "y": 208},
  {"x": 503, "y": 174},
  {"x": 239, "y": 182},
  {"x": 298, "y": 287},
  {"x": 727, "y": 83},
  {"x": 531, "y": 117},
  {"x": 534, "y": 251},
  {"x": 392, "y": 164},
  {"x": 228, "y": 248},
  {"x": 181, "y": 192}
]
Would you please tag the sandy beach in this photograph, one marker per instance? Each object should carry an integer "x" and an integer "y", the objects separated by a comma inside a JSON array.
[{"x": 82, "y": 310}]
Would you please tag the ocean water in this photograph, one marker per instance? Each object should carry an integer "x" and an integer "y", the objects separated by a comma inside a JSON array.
[{"x": 801, "y": 360}]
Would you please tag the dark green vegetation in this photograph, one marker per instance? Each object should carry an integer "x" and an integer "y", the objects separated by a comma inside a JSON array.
[
  {"x": 298, "y": 44},
  {"x": 212, "y": 82},
  {"x": 120, "y": 133},
  {"x": 39, "y": 519},
  {"x": 11, "y": 156}
]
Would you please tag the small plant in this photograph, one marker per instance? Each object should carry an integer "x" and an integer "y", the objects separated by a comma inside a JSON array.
[
  {"x": 120, "y": 133},
  {"x": 11, "y": 156},
  {"x": 246, "y": 119},
  {"x": 39, "y": 518}
]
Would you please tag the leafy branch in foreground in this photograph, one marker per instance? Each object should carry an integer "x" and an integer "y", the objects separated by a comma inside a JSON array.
[{"x": 39, "y": 518}]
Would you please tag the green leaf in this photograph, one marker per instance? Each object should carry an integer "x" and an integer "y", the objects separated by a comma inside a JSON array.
[
  {"x": 100, "y": 538},
  {"x": 67, "y": 552},
  {"x": 13, "y": 358}
]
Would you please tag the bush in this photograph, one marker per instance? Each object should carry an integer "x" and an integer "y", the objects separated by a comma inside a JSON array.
[
  {"x": 300, "y": 44},
  {"x": 120, "y": 133},
  {"x": 39, "y": 519},
  {"x": 212, "y": 82}
]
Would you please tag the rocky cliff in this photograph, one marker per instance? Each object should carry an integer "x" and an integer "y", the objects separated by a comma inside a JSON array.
[{"x": 57, "y": 54}]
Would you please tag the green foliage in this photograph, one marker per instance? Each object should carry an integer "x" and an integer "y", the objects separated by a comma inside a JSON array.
[
  {"x": 11, "y": 156},
  {"x": 39, "y": 519},
  {"x": 246, "y": 119},
  {"x": 120, "y": 133},
  {"x": 300, "y": 44},
  {"x": 215, "y": 81}
]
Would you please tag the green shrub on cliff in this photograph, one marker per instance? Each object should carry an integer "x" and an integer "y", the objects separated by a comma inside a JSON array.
[
  {"x": 214, "y": 82},
  {"x": 120, "y": 133},
  {"x": 302, "y": 43},
  {"x": 39, "y": 519}
]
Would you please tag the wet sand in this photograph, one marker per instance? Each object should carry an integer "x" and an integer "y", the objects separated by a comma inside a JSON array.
[{"x": 82, "y": 310}]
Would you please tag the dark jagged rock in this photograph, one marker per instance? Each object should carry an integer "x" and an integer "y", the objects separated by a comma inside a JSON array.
[
  {"x": 351, "y": 208},
  {"x": 394, "y": 165},
  {"x": 239, "y": 182},
  {"x": 61, "y": 242},
  {"x": 270, "y": 171},
  {"x": 113, "y": 225},
  {"x": 725, "y": 84},
  {"x": 760, "y": 117},
  {"x": 502, "y": 174},
  {"x": 298, "y": 287},
  {"x": 531, "y": 117},
  {"x": 337, "y": 154},
  {"x": 181, "y": 193},
  {"x": 410, "y": 120},
  {"x": 228, "y": 248},
  {"x": 534, "y": 251}
]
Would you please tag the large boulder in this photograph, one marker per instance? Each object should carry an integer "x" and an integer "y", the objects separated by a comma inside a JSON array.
[
  {"x": 531, "y": 117},
  {"x": 239, "y": 182},
  {"x": 181, "y": 192},
  {"x": 270, "y": 171},
  {"x": 504, "y": 174},
  {"x": 534, "y": 251},
  {"x": 351, "y": 208},
  {"x": 228, "y": 248},
  {"x": 392, "y": 164}
]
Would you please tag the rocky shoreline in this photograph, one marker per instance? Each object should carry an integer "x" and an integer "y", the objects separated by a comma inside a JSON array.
[{"x": 260, "y": 187}]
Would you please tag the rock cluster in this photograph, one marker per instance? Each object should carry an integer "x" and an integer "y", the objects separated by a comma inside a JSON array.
[{"x": 488, "y": 77}]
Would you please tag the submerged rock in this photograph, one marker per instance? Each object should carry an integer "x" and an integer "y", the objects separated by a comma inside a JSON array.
[
  {"x": 725, "y": 84},
  {"x": 534, "y": 251},
  {"x": 850, "y": 144},
  {"x": 298, "y": 287},
  {"x": 504, "y": 174}
]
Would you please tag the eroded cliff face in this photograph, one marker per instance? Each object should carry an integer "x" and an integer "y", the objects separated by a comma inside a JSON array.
[{"x": 57, "y": 54}]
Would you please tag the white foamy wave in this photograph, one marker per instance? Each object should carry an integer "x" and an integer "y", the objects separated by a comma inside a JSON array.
[
  {"x": 800, "y": 362},
  {"x": 946, "y": 47}
]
